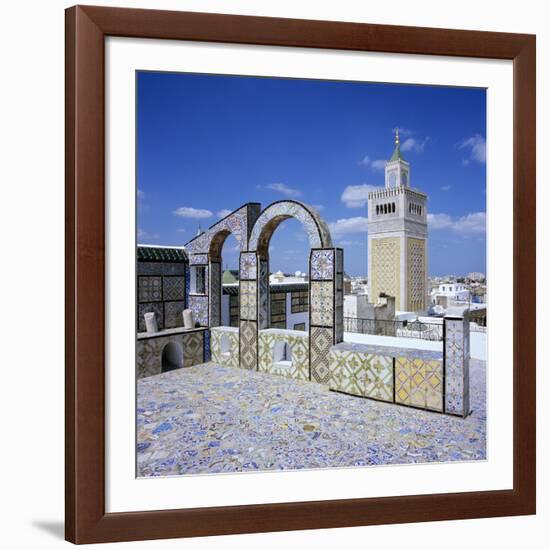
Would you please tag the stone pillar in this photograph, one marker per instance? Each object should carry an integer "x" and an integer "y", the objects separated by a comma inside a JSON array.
[
  {"x": 456, "y": 353},
  {"x": 248, "y": 308},
  {"x": 326, "y": 308}
]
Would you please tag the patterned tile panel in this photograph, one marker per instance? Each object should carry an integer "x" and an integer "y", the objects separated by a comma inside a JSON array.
[
  {"x": 299, "y": 349},
  {"x": 198, "y": 259},
  {"x": 207, "y": 351},
  {"x": 193, "y": 348},
  {"x": 322, "y": 303},
  {"x": 263, "y": 293},
  {"x": 322, "y": 265},
  {"x": 416, "y": 274},
  {"x": 237, "y": 223},
  {"x": 385, "y": 268},
  {"x": 155, "y": 307},
  {"x": 362, "y": 374},
  {"x": 419, "y": 383},
  {"x": 248, "y": 300},
  {"x": 150, "y": 289},
  {"x": 225, "y": 346},
  {"x": 248, "y": 266},
  {"x": 173, "y": 314},
  {"x": 249, "y": 345},
  {"x": 215, "y": 293},
  {"x": 199, "y": 306},
  {"x": 379, "y": 377},
  {"x": 150, "y": 356},
  {"x": 321, "y": 340},
  {"x": 173, "y": 288},
  {"x": 457, "y": 367}
]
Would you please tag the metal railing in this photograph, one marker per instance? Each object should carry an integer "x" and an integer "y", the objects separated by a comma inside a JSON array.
[{"x": 404, "y": 329}]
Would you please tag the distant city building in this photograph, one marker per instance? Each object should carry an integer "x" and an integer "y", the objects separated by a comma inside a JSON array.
[
  {"x": 476, "y": 276},
  {"x": 398, "y": 234},
  {"x": 449, "y": 293}
]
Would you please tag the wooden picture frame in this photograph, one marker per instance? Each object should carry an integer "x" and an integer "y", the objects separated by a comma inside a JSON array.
[{"x": 86, "y": 30}]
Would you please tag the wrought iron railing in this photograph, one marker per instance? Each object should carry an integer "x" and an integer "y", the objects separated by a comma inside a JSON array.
[{"x": 404, "y": 329}]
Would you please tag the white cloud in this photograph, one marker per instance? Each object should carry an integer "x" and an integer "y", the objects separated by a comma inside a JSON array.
[
  {"x": 318, "y": 207},
  {"x": 284, "y": 189},
  {"x": 414, "y": 144},
  {"x": 343, "y": 226},
  {"x": 365, "y": 161},
  {"x": 356, "y": 196},
  {"x": 445, "y": 188},
  {"x": 467, "y": 225},
  {"x": 378, "y": 165},
  {"x": 477, "y": 147},
  {"x": 140, "y": 194},
  {"x": 349, "y": 243},
  {"x": 180, "y": 230},
  {"x": 145, "y": 236},
  {"x": 223, "y": 212},
  {"x": 439, "y": 221},
  {"x": 403, "y": 132},
  {"x": 194, "y": 213}
]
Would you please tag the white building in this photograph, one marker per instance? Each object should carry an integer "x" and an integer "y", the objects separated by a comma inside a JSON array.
[{"x": 449, "y": 293}]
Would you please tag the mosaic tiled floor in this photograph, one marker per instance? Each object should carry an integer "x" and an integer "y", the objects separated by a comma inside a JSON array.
[{"x": 211, "y": 419}]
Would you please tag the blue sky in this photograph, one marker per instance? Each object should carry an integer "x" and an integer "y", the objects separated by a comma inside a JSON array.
[{"x": 207, "y": 144}]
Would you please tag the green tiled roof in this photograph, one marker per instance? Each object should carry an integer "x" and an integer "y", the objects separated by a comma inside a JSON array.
[
  {"x": 229, "y": 277},
  {"x": 160, "y": 254},
  {"x": 397, "y": 154}
]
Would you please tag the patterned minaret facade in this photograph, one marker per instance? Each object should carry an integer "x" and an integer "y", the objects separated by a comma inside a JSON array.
[{"x": 398, "y": 235}]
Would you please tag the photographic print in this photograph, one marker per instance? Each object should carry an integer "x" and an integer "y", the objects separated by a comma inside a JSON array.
[{"x": 310, "y": 274}]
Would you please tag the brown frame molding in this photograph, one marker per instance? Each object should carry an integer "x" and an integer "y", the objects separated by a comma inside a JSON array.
[{"x": 86, "y": 29}]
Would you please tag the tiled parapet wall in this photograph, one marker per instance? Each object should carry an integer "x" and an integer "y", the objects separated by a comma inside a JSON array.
[
  {"x": 419, "y": 382},
  {"x": 362, "y": 374},
  {"x": 150, "y": 347},
  {"x": 405, "y": 376},
  {"x": 297, "y": 341},
  {"x": 457, "y": 365},
  {"x": 225, "y": 346}
]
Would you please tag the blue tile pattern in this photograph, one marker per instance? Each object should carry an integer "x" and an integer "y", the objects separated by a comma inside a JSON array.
[{"x": 212, "y": 419}]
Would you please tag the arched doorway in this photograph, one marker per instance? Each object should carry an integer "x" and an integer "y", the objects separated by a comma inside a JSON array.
[
  {"x": 172, "y": 357},
  {"x": 325, "y": 286},
  {"x": 204, "y": 251}
]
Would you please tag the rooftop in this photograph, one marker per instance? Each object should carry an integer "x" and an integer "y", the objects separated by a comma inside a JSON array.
[
  {"x": 150, "y": 253},
  {"x": 211, "y": 419}
]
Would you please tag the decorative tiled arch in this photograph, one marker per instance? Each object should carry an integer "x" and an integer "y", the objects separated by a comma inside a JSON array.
[
  {"x": 326, "y": 286},
  {"x": 205, "y": 249},
  {"x": 316, "y": 228}
]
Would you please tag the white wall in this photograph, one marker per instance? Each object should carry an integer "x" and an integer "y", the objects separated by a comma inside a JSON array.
[{"x": 32, "y": 113}]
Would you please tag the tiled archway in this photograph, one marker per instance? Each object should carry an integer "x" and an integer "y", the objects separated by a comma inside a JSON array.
[{"x": 325, "y": 287}]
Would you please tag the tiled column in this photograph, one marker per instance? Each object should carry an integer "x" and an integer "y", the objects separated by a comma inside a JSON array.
[
  {"x": 325, "y": 308},
  {"x": 248, "y": 298},
  {"x": 457, "y": 365},
  {"x": 198, "y": 303},
  {"x": 215, "y": 293}
]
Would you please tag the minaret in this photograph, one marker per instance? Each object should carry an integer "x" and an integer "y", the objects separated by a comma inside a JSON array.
[{"x": 398, "y": 234}]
